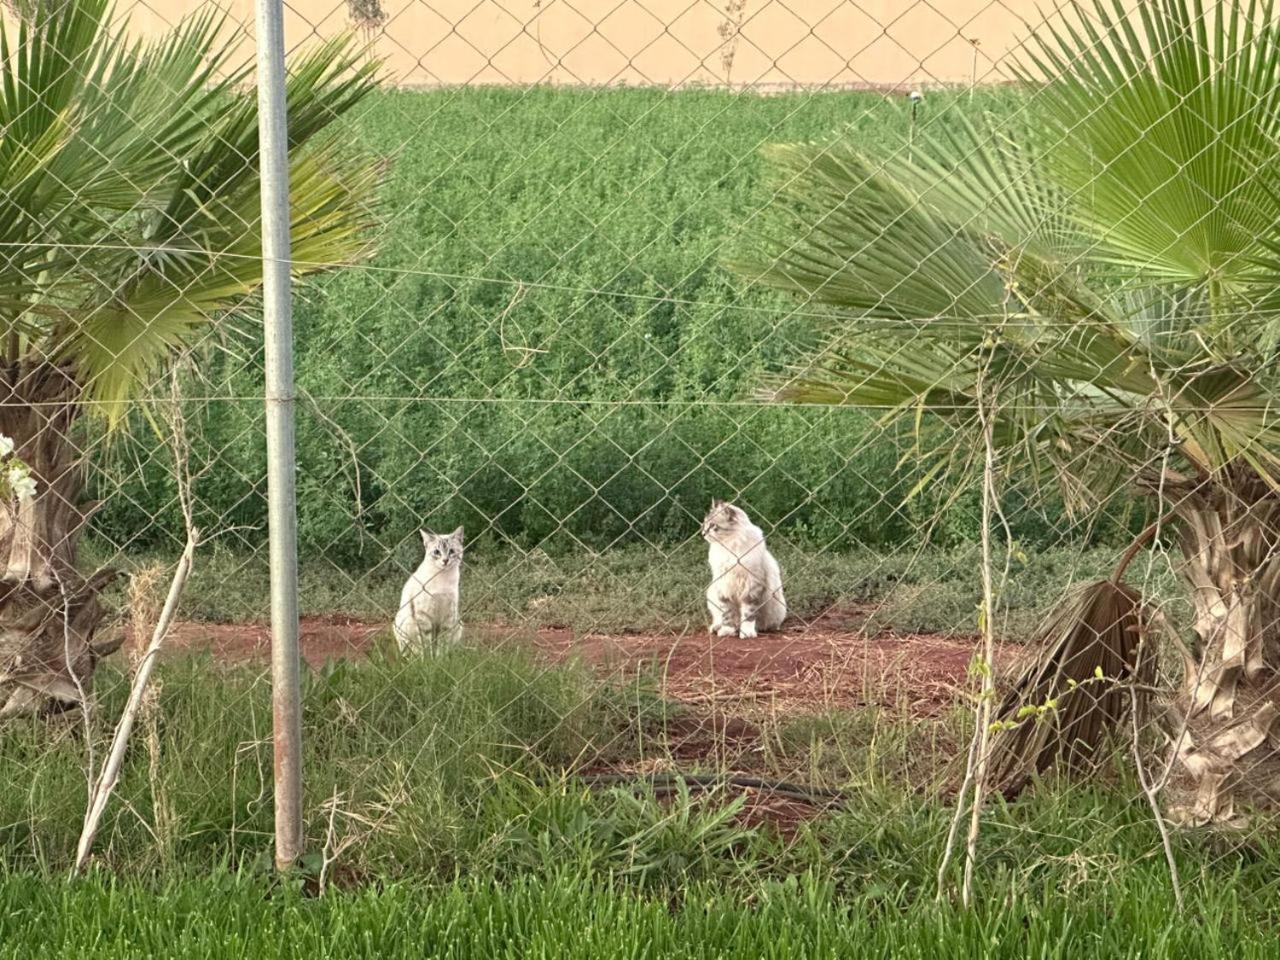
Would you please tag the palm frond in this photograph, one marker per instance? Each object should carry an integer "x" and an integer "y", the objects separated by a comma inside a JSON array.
[
  {"x": 851, "y": 234},
  {"x": 1069, "y": 700},
  {"x": 165, "y": 295},
  {"x": 1166, "y": 139},
  {"x": 985, "y": 176},
  {"x": 141, "y": 110},
  {"x": 41, "y": 66},
  {"x": 325, "y": 85},
  {"x": 1093, "y": 273},
  {"x": 129, "y": 187}
]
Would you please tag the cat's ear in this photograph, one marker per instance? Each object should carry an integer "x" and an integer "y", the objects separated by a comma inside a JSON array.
[
  {"x": 457, "y": 535},
  {"x": 716, "y": 502},
  {"x": 426, "y": 537}
]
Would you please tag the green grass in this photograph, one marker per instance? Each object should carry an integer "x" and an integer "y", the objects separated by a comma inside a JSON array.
[
  {"x": 568, "y": 917},
  {"x": 406, "y": 743},
  {"x": 660, "y": 589},
  {"x": 443, "y": 790},
  {"x": 430, "y": 768},
  {"x": 462, "y": 766}
]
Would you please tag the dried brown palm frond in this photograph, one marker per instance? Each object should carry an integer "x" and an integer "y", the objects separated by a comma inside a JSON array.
[{"x": 1075, "y": 695}]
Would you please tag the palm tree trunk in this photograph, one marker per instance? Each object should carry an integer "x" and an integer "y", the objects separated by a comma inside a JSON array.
[
  {"x": 48, "y": 611},
  {"x": 1226, "y": 757}
]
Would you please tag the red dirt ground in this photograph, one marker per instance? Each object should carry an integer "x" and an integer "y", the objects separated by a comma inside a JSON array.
[{"x": 828, "y": 661}]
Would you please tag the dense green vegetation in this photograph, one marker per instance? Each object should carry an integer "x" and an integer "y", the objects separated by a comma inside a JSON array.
[
  {"x": 462, "y": 765},
  {"x": 442, "y": 792},
  {"x": 568, "y": 917},
  {"x": 546, "y": 347}
]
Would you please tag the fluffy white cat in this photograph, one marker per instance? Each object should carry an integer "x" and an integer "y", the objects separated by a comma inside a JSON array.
[
  {"x": 428, "y": 614},
  {"x": 745, "y": 595}
]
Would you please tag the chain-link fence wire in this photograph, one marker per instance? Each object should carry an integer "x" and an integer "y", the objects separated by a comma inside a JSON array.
[{"x": 557, "y": 337}]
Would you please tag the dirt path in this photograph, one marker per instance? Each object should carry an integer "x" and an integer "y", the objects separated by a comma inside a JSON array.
[{"x": 825, "y": 662}]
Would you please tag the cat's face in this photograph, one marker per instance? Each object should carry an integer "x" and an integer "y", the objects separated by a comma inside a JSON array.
[
  {"x": 722, "y": 521},
  {"x": 443, "y": 550}
]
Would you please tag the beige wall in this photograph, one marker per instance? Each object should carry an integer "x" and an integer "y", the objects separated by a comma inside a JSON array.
[{"x": 881, "y": 43}]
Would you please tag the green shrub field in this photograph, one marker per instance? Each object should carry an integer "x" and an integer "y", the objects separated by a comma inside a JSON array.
[{"x": 546, "y": 347}]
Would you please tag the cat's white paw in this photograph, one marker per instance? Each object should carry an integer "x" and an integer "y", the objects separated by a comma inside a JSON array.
[
  {"x": 725, "y": 631},
  {"x": 747, "y": 631}
]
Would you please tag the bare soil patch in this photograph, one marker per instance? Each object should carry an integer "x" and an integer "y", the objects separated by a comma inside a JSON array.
[{"x": 828, "y": 661}]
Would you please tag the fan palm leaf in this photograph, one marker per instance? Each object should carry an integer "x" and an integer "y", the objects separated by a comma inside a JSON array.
[
  {"x": 131, "y": 187},
  {"x": 999, "y": 248},
  {"x": 129, "y": 226},
  {"x": 1099, "y": 282}
]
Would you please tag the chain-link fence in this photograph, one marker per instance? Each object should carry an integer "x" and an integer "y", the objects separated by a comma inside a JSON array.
[{"x": 966, "y": 313}]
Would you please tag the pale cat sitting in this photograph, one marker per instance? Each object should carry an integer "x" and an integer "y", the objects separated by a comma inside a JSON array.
[
  {"x": 745, "y": 595},
  {"x": 428, "y": 614}
]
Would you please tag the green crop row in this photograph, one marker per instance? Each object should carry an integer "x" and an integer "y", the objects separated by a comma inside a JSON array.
[{"x": 546, "y": 346}]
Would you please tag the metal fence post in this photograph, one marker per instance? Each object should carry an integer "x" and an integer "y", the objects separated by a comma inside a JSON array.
[{"x": 282, "y": 517}]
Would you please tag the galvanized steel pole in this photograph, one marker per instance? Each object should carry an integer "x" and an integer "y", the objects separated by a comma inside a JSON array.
[{"x": 281, "y": 516}]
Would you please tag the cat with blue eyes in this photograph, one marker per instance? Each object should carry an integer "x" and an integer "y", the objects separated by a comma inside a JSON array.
[
  {"x": 428, "y": 613},
  {"x": 745, "y": 597}
]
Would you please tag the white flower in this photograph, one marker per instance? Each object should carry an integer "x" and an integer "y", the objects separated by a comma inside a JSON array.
[
  {"x": 25, "y": 489},
  {"x": 20, "y": 482},
  {"x": 6, "y": 445}
]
